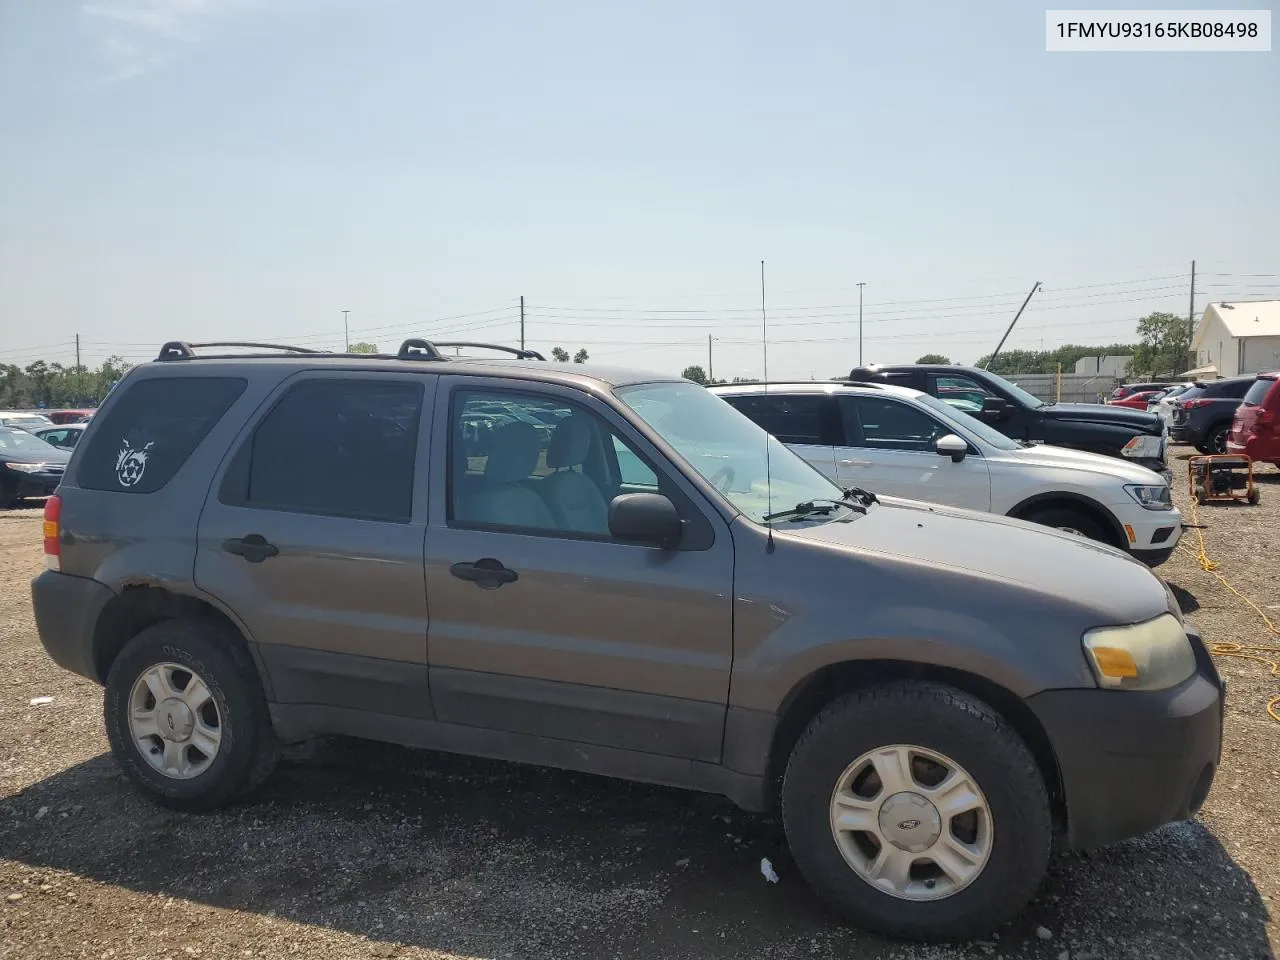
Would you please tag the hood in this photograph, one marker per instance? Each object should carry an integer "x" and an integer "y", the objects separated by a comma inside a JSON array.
[
  {"x": 1091, "y": 575},
  {"x": 1117, "y": 468},
  {"x": 1102, "y": 413}
]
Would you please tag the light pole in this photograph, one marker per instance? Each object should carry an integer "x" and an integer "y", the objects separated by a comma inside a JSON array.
[
  {"x": 860, "y": 286},
  {"x": 346, "y": 337},
  {"x": 710, "y": 369}
]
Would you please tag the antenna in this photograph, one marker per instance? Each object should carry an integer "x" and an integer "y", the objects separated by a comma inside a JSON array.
[{"x": 768, "y": 437}]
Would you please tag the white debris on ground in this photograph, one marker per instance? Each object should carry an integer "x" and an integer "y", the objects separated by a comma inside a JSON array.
[{"x": 767, "y": 871}]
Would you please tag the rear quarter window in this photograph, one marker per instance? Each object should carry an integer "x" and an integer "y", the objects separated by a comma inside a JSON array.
[
  {"x": 1258, "y": 392},
  {"x": 151, "y": 430}
]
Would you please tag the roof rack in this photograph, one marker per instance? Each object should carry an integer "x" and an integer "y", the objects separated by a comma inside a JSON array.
[
  {"x": 414, "y": 348},
  {"x": 517, "y": 352},
  {"x": 180, "y": 350}
]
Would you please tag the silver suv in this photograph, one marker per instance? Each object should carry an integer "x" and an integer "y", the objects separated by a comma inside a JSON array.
[{"x": 614, "y": 572}]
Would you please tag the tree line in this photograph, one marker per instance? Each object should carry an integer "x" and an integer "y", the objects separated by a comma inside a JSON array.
[{"x": 54, "y": 385}]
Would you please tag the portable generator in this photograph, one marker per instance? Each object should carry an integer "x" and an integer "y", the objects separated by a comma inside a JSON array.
[{"x": 1222, "y": 477}]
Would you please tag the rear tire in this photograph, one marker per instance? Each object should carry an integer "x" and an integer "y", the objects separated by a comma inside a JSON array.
[
  {"x": 1072, "y": 521},
  {"x": 1216, "y": 441},
  {"x": 928, "y": 721},
  {"x": 222, "y": 748},
  {"x": 9, "y": 494},
  {"x": 1255, "y": 497}
]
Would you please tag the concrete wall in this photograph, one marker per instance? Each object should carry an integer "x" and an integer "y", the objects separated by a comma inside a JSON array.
[
  {"x": 1108, "y": 366},
  {"x": 1076, "y": 387}
]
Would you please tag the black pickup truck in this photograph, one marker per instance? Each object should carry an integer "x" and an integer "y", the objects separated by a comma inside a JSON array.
[{"x": 1094, "y": 427}]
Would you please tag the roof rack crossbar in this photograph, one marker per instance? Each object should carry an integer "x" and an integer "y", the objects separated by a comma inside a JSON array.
[
  {"x": 516, "y": 352},
  {"x": 180, "y": 350}
]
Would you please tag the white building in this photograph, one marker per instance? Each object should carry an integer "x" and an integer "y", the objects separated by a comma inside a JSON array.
[
  {"x": 1106, "y": 366},
  {"x": 1239, "y": 338}
]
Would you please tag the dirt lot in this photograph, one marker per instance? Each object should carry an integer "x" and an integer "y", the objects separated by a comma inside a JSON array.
[{"x": 358, "y": 850}]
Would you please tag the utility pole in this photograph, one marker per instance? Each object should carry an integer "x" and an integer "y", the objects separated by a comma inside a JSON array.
[
  {"x": 710, "y": 374},
  {"x": 346, "y": 336},
  {"x": 77, "y": 353},
  {"x": 521, "y": 321},
  {"x": 1191, "y": 313},
  {"x": 860, "y": 286},
  {"x": 994, "y": 353}
]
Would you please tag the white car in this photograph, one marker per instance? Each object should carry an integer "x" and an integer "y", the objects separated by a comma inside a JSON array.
[
  {"x": 904, "y": 443},
  {"x": 1163, "y": 407}
]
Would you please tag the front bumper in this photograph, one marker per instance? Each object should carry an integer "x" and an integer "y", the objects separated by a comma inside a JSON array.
[
  {"x": 67, "y": 610},
  {"x": 1186, "y": 432},
  {"x": 1131, "y": 762},
  {"x": 1152, "y": 535}
]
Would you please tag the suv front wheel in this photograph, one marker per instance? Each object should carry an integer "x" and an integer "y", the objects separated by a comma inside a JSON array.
[
  {"x": 915, "y": 810},
  {"x": 186, "y": 716}
]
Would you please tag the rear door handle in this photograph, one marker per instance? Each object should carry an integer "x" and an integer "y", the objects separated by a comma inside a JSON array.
[
  {"x": 253, "y": 548},
  {"x": 486, "y": 573}
]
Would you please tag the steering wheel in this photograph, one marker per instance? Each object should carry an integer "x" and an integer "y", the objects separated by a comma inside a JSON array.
[{"x": 722, "y": 479}]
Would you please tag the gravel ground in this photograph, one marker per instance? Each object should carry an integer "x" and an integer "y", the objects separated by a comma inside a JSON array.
[{"x": 361, "y": 850}]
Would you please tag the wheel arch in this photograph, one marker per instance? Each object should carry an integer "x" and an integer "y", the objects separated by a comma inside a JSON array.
[
  {"x": 139, "y": 606},
  {"x": 1068, "y": 500},
  {"x": 821, "y": 687}
]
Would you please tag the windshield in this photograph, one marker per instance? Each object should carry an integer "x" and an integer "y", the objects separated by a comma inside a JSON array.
[
  {"x": 958, "y": 418},
  {"x": 21, "y": 442},
  {"x": 1026, "y": 399},
  {"x": 728, "y": 449}
]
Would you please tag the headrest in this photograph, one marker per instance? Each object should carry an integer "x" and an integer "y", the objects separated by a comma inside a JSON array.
[
  {"x": 513, "y": 453},
  {"x": 570, "y": 443}
]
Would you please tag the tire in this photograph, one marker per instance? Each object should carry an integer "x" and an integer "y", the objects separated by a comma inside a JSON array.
[
  {"x": 1255, "y": 497},
  {"x": 932, "y": 718},
  {"x": 9, "y": 494},
  {"x": 1216, "y": 440},
  {"x": 246, "y": 750},
  {"x": 1200, "y": 494},
  {"x": 1071, "y": 520}
]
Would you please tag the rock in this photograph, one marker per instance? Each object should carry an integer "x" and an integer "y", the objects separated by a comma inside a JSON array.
[
  {"x": 1044, "y": 933},
  {"x": 1065, "y": 955},
  {"x": 14, "y": 897},
  {"x": 42, "y": 812}
]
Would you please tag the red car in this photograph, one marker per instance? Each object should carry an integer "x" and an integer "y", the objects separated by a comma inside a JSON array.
[
  {"x": 1136, "y": 401},
  {"x": 1129, "y": 389},
  {"x": 68, "y": 416},
  {"x": 1255, "y": 430}
]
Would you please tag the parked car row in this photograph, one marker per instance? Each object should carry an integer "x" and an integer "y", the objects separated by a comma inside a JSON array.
[{"x": 626, "y": 576}]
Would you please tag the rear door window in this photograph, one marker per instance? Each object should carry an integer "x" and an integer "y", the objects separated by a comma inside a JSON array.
[
  {"x": 792, "y": 418},
  {"x": 151, "y": 430},
  {"x": 339, "y": 448}
]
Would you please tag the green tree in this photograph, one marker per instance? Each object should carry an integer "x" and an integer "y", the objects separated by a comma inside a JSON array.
[
  {"x": 559, "y": 354},
  {"x": 1014, "y": 362},
  {"x": 934, "y": 358},
  {"x": 1164, "y": 348},
  {"x": 581, "y": 356},
  {"x": 363, "y": 347},
  {"x": 695, "y": 373}
]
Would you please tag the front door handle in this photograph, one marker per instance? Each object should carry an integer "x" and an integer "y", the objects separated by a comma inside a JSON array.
[
  {"x": 488, "y": 574},
  {"x": 253, "y": 548}
]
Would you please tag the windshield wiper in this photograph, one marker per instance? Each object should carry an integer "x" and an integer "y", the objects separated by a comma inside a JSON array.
[
  {"x": 814, "y": 508},
  {"x": 865, "y": 497}
]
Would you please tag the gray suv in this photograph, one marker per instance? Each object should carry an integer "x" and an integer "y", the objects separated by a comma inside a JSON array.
[{"x": 613, "y": 572}]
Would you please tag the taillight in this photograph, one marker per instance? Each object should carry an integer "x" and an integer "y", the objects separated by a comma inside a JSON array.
[
  {"x": 1192, "y": 404},
  {"x": 1265, "y": 417},
  {"x": 52, "y": 533}
]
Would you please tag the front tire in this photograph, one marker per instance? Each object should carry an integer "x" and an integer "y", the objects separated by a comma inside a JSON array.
[
  {"x": 186, "y": 716},
  {"x": 916, "y": 811}
]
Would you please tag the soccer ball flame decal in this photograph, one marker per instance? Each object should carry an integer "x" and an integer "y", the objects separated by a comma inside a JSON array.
[{"x": 131, "y": 463}]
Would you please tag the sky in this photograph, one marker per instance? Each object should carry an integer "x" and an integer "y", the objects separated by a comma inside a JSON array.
[{"x": 248, "y": 169}]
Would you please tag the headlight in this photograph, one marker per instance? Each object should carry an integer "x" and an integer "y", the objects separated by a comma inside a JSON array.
[
  {"x": 1154, "y": 497},
  {"x": 26, "y": 467},
  {"x": 1154, "y": 655},
  {"x": 1144, "y": 447}
]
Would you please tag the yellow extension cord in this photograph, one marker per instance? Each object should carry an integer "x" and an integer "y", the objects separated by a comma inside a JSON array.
[{"x": 1244, "y": 651}]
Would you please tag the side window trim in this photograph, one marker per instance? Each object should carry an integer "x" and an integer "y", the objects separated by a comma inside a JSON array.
[{"x": 700, "y": 533}]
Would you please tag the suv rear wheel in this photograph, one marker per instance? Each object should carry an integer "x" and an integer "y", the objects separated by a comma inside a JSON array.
[
  {"x": 916, "y": 811},
  {"x": 1215, "y": 441},
  {"x": 186, "y": 716}
]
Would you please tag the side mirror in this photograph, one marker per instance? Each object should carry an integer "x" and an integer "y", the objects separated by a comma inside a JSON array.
[
  {"x": 648, "y": 518},
  {"x": 995, "y": 408},
  {"x": 952, "y": 446}
]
